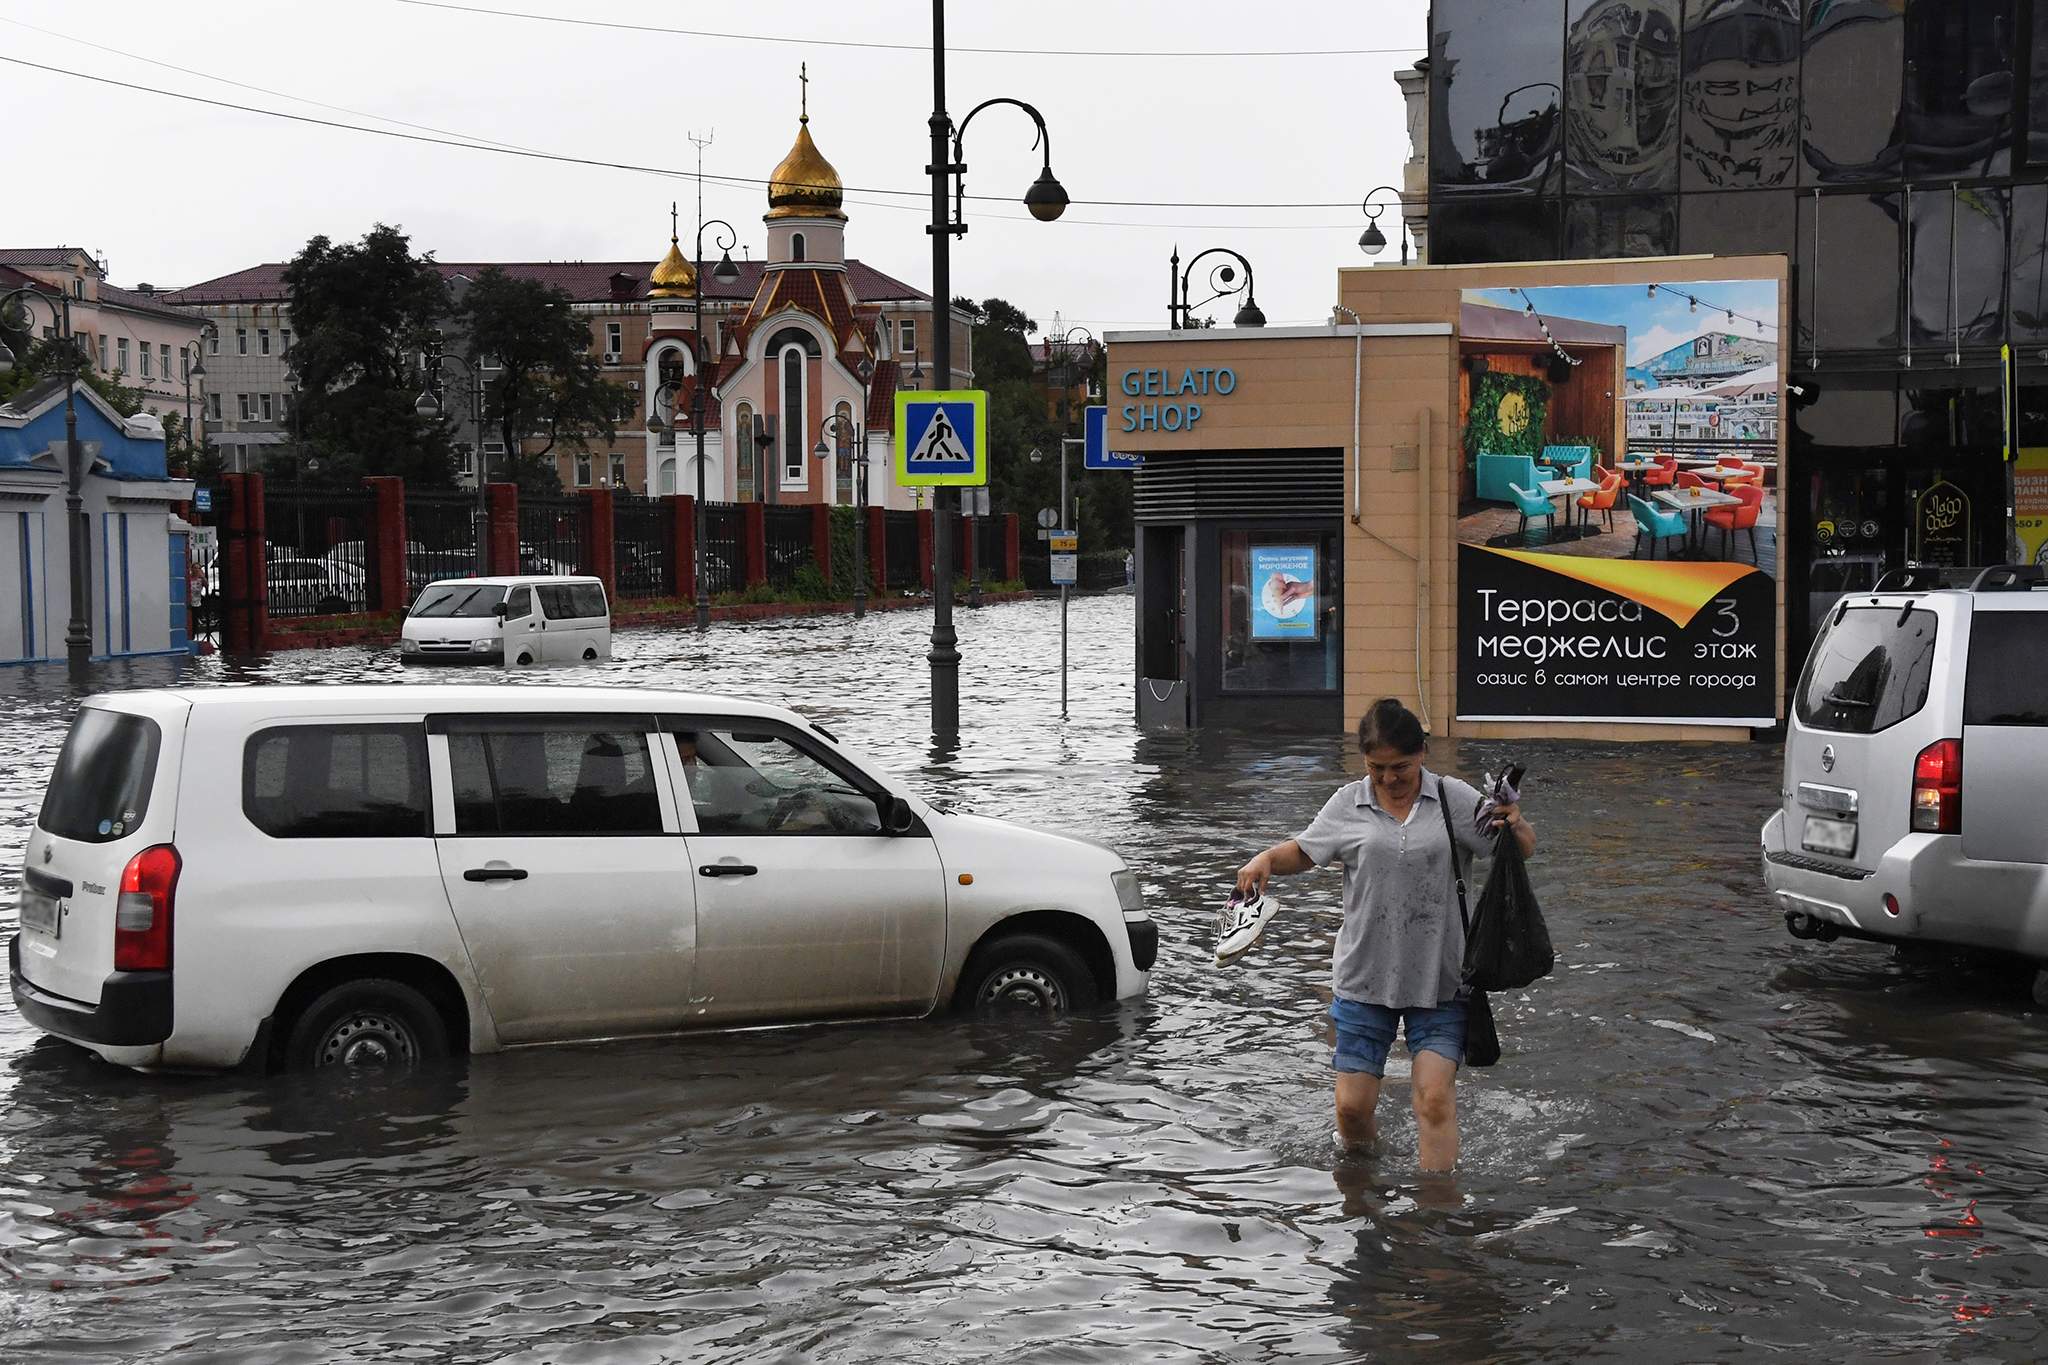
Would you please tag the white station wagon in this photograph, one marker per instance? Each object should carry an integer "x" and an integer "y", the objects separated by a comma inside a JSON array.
[{"x": 373, "y": 876}]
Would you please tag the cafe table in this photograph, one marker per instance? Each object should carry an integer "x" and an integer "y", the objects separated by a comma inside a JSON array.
[
  {"x": 1566, "y": 490},
  {"x": 1696, "y": 501}
]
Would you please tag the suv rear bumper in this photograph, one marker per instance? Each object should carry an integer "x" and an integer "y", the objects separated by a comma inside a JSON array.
[
  {"x": 1942, "y": 897},
  {"x": 134, "y": 1008}
]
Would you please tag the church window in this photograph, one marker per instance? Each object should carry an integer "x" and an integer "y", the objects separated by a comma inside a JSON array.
[
  {"x": 796, "y": 246},
  {"x": 793, "y": 443}
]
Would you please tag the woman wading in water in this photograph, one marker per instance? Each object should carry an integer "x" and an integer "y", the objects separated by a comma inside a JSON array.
[{"x": 1401, "y": 951}]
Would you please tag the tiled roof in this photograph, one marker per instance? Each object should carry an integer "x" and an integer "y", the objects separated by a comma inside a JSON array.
[
  {"x": 882, "y": 396},
  {"x": 40, "y": 255},
  {"x": 153, "y": 302},
  {"x": 584, "y": 281}
]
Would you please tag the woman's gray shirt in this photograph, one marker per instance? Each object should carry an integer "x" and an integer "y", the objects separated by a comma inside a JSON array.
[{"x": 1402, "y": 944}]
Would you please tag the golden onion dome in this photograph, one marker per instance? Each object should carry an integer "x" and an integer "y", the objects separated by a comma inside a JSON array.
[
  {"x": 674, "y": 278},
  {"x": 805, "y": 185}
]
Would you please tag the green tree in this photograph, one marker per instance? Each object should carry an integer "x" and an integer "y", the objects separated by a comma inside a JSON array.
[
  {"x": 360, "y": 313},
  {"x": 545, "y": 380}
]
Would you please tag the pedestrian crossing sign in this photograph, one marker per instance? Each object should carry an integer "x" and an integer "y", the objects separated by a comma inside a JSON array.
[{"x": 941, "y": 438}]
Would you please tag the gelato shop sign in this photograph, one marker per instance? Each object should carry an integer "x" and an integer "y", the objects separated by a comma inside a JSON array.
[{"x": 1182, "y": 391}]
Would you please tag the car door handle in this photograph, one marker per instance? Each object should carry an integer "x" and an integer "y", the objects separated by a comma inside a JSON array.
[
  {"x": 495, "y": 874},
  {"x": 727, "y": 870}
]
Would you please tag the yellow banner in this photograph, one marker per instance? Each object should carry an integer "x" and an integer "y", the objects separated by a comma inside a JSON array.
[
  {"x": 1675, "y": 590},
  {"x": 2030, "y": 503}
]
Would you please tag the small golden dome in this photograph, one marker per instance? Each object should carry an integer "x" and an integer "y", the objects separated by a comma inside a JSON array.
[
  {"x": 805, "y": 185},
  {"x": 674, "y": 278}
]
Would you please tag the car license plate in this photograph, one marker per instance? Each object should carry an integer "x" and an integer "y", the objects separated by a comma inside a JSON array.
[
  {"x": 1837, "y": 838},
  {"x": 39, "y": 912}
]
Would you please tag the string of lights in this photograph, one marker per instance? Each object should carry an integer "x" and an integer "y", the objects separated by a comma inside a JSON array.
[
  {"x": 1693, "y": 304},
  {"x": 1529, "y": 310}
]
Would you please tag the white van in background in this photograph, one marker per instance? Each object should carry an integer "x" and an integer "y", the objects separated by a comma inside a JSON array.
[{"x": 527, "y": 620}]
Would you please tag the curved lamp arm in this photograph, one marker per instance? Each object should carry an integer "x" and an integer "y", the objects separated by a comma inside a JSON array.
[
  {"x": 1046, "y": 198},
  {"x": 1220, "y": 281}
]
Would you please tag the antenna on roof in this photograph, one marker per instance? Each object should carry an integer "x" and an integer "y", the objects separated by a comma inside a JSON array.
[{"x": 701, "y": 143}]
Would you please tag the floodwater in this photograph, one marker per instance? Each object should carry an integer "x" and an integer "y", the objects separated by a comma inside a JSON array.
[{"x": 1706, "y": 1140}]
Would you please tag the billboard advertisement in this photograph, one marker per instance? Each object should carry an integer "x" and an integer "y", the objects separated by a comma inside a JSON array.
[
  {"x": 1283, "y": 589},
  {"x": 1618, "y": 514}
]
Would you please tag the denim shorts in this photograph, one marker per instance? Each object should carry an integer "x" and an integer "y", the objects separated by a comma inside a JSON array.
[{"x": 1365, "y": 1032}]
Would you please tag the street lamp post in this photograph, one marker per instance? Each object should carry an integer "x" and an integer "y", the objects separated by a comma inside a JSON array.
[
  {"x": 858, "y": 434},
  {"x": 1047, "y": 200},
  {"x": 1373, "y": 241},
  {"x": 1222, "y": 279},
  {"x": 431, "y": 407},
  {"x": 72, "y": 362},
  {"x": 195, "y": 368}
]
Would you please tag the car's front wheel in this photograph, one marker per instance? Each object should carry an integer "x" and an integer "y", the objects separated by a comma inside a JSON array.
[
  {"x": 1028, "y": 972},
  {"x": 369, "y": 1025}
]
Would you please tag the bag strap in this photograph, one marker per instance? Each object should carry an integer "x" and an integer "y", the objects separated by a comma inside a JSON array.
[{"x": 1457, "y": 868}]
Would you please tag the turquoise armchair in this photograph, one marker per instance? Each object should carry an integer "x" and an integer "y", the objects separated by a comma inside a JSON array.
[
  {"x": 1496, "y": 474},
  {"x": 1534, "y": 504},
  {"x": 1654, "y": 523},
  {"x": 1571, "y": 462}
]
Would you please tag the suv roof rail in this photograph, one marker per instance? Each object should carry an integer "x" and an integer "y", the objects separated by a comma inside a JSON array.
[
  {"x": 1923, "y": 578},
  {"x": 2008, "y": 578}
]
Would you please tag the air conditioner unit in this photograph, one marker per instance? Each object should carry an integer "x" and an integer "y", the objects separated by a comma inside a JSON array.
[
  {"x": 633, "y": 385},
  {"x": 611, "y": 357}
]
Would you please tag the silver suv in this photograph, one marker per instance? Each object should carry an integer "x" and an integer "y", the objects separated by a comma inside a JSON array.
[{"x": 1914, "y": 768}]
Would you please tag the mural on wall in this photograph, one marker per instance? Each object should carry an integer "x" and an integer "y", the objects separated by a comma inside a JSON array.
[{"x": 1618, "y": 534}]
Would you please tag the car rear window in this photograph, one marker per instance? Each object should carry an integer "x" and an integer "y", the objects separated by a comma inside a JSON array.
[
  {"x": 1869, "y": 670},
  {"x": 2008, "y": 677},
  {"x": 337, "y": 781},
  {"x": 99, "y": 790}
]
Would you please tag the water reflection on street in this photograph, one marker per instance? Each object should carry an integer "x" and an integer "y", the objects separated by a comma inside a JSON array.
[{"x": 1706, "y": 1140}]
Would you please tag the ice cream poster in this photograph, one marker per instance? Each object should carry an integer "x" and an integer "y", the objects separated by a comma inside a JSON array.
[{"x": 1284, "y": 592}]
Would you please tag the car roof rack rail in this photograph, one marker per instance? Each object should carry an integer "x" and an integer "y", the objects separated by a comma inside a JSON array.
[
  {"x": 2008, "y": 578},
  {"x": 1923, "y": 578}
]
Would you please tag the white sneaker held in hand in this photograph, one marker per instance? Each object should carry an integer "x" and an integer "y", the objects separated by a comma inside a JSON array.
[{"x": 1241, "y": 925}]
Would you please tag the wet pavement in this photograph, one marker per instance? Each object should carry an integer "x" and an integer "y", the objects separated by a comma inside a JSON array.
[{"x": 1706, "y": 1140}]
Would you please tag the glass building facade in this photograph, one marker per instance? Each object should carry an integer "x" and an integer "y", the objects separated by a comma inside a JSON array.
[{"x": 1895, "y": 150}]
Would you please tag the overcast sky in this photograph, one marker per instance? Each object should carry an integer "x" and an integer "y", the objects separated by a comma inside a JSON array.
[{"x": 171, "y": 193}]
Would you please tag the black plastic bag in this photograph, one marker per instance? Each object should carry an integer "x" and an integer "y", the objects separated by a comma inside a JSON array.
[
  {"x": 1482, "y": 1040},
  {"x": 1509, "y": 945}
]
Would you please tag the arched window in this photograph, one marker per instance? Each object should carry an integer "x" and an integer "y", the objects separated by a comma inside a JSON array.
[
  {"x": 793, "y": 409},
  {"x": 747, "y": 487},
  {"x": 796, "y": 246},
  {"x": 843, "y": 436}
]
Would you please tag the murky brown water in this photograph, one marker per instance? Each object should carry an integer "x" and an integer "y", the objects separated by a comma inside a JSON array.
[{"x": 1706, "y": 1141}]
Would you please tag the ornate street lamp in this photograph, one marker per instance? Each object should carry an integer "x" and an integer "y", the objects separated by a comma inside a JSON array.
[
  {"x": 1222, "y": 279},
  {"x": 1047, "y": 200},
  {"x": 1373, "y": 242},
  {"x": 69, "y": 361}
]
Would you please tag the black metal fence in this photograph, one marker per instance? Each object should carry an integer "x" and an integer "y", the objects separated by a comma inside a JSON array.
[
  {"x": 643, "y": 546},
  {"x": 551, "y": 535},
  {"x": 720, "y": 563},
  {"x": 787, "y": 531},
  {"x": 318, "y": 557},
  {"x": 440, "y": 539},
  {"x": 905, "y": 565}
]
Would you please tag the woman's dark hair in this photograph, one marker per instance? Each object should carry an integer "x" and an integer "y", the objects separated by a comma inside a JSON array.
[{"x": 1387, "y": 724}]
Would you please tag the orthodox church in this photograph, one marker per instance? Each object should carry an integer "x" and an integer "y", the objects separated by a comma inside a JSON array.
[{"x": 810, "y": 360}]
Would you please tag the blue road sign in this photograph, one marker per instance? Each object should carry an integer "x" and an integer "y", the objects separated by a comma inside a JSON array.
[
  {"x": 202, "y": 499},
  {"x": 941, "y": 438},
  {"x": 1096, "y": 454}
]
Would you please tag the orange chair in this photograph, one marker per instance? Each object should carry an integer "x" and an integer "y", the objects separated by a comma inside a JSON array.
[
  {"x": 1603, "y": 499},
  {"x": 1688, "y": 479},
  {"x": 1750, "y": 475},
  {"x": 1739, "y": 518},
  {"x": 1664, "y": 475}
]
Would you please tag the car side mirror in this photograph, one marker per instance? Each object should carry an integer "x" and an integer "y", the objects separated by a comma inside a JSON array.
[
  {"x": 501, "y": 611},
  {"x": 897, "y": 816}
]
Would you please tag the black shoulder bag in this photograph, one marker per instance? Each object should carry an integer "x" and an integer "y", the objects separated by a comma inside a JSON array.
[{"x": 1482, "y": 1041}]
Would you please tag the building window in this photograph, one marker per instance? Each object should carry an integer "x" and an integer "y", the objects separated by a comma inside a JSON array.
[
  {"x": 284, "y": 407},
  {"x": 77, "y": 287},
  {"x": 1260, "y": 652},
  {"x": 213, "y": 342},
  {"x": 263, "y": 341},
  {"x": 213, "y": 407},
  {"x": 906, "y": 336},
  {"x": 746, "y": 485},
  {"x": 242, "y": 405},
  {"x": 618, "y": 463},
  {"x": 241, "y": 341},
  {"x": 185, "y": 365},
  {"x": 144, "y": 348},
  {"x": 266, "y": 408},
  {"x": 843, "y": 434},
  {"x": 796, "y": 246},
  {"x": 614, "y": 341},
  {"x": 103, "y": 350},
  {"x": 121, "y": 354},
  {"x": 163, "y": 355},
  {"x": 793, "y": 442},
  {"x": 284, "y": 341},
  {"x": 583, "y": 470}
]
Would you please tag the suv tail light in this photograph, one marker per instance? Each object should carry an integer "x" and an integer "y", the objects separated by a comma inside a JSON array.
[
  {"x": 1938, "y": 788},
  {"x": 142, "y": 917}
]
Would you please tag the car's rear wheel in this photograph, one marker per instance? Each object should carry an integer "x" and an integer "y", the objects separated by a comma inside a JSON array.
[
  {"x": 1027, "y": 972},
  {"x": 365, "y": 1026}
]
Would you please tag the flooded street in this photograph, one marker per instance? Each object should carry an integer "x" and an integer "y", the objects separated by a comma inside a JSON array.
[{"x": 1706, "y": 1140}]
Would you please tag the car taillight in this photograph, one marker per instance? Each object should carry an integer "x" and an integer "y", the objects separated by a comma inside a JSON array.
[
  {"x": 142, "y": 917},
  {"x": 1938, "y": 788}
]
